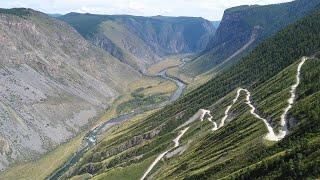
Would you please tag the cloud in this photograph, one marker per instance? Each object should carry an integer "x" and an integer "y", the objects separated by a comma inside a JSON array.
[
  {"x": 209, "y": 9},
  {"x": 136, "y": 5}
]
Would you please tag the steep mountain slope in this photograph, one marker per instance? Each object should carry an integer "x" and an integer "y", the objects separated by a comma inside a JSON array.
[
  {"x": 52, "y": 83},
  {"x": 238, "y": 149},
  {"x": 242, "y": 28},
  {"x": 141, "y": 41},
  {"x": 216, "y": 24}
]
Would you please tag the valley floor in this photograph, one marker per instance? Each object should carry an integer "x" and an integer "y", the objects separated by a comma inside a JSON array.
[
  {"x": 175, "y": 68},
  {"x": 147, "y": 87}
]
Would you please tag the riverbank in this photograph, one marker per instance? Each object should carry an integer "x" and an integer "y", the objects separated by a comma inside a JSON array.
[{"x": 90, "y": 139}]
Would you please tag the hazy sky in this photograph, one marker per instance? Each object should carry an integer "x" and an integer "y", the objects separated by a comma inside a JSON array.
[{"x": 209, "y": 9}]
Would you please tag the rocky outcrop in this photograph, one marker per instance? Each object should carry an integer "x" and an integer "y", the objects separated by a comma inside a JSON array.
[
  {"x": 171, "y": 35},
  {"x": 95, "y": 166},
  {"x": 52, "y": 83},
  {"x": 134, "y": 141},
  {"x": 106, "y": 44}
]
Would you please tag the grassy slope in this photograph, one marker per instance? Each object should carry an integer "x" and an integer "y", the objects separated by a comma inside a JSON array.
[
  {"x": 171, "y": 61},
  {"x": 229, "y": 149},
  {"x": 254, "y": 71},
  {"x": 301, "y": 156},
  {"x": 219, "y": 154},
  {"x": 134, "y": 171}
]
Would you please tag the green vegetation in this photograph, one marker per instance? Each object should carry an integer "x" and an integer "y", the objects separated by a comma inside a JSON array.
[
  {"x": 168, "y": 63},
  {"x": 238, "y": 150},
  {"x": 139, "y": 100},
  {"x": 134, "y": 171},
  {"x": 238, "y": 147},
  {"x": 86, "y": 24},
  {"x": 21, "y": 12},
  {"x": 300, "y": 151}
]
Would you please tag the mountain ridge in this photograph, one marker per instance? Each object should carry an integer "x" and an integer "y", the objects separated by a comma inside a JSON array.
[
  {"x": 142, "y": 41},
  {"x": 239, "y": 23},
  {"x": 53, "y": 83}
]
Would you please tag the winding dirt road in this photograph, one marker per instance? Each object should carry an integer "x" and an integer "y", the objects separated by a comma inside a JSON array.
[
  {"x": 271, "y": 136},
  {"x": 155, "y": 162}
]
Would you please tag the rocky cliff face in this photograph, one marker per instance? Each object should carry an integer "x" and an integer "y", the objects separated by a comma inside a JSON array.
[
  {"x": 143, "y": 40},
  {"x": 240, "y": 24},
  {"x": 232, "y": 27},
  {"x": 52, "y": 83},
  {"x": 170, "y": 35}
]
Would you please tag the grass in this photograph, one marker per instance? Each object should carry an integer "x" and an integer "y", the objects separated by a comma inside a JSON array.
[
  {"x": 133, "y": 172},
  {"x": 147, "y": 92},
  {"x": 118, "y": 131},
  {"x": 213, "y": 149},
  {"x": 40, "y": 169},
  {"x": 153, "y": 86},
  {"x": 141, "y": 93},
  {"x": 141, "y": 101},
  {"x": 150, "y": 86},
  {"x": 55, "y": 159},
  {"x": 192, "y": 81},
  {"x": 209, "y": 155},
  {"x": 172, "y": 64},
  {"x": 175, "y": 72},
  {"x": 165, "y": 87},
  {"x": 282, "y": 153},
  {"x": 228, "y": 151},
  {"x": 114, "y": 133},
  {"x": 170, "y": 61}
]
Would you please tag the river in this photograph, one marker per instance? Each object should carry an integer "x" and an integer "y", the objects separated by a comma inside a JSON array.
[{"x": 90, "y": 138}]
